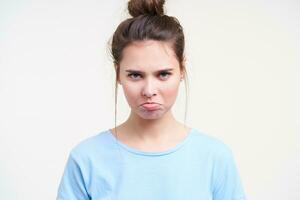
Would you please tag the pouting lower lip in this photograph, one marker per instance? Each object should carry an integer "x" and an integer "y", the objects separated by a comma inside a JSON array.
[{"x": 150, "y": 106}]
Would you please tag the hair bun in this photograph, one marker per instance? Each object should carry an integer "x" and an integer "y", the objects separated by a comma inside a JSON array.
[{"x": 146, "y": 7}]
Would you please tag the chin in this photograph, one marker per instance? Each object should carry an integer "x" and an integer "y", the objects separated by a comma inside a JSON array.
[{"x": 150, "y": 115}]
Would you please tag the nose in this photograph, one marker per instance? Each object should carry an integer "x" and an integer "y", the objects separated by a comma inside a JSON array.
[{"x": 149, "y": 89}]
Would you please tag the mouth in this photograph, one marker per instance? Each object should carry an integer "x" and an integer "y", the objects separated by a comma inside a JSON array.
[{"x": 150, "y": 106}]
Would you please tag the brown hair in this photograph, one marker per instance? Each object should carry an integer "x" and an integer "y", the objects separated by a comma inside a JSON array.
[{"x": 148, "y": 22}]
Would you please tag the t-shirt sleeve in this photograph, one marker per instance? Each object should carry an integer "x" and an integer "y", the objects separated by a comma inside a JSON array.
[
  {"x": 72, "y": 185},
  {"x": 227, "y": 184}
]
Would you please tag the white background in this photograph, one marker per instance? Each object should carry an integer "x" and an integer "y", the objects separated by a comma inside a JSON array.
[{"x": 57, "y": 83}]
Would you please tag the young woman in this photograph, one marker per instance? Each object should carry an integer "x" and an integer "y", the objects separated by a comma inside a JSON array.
[{"x": 151, "y": 156}]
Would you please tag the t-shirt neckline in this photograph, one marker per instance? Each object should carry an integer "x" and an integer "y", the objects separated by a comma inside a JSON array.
[{"x": 152, "y": 153}]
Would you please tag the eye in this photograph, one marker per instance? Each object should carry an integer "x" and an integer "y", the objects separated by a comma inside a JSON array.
[
  {"x": 134, "y": 75},
  {"x": 165, "y": 74}
]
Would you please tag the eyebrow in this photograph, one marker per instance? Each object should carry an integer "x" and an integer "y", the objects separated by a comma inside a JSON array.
[{"x": 137, "y": 71}]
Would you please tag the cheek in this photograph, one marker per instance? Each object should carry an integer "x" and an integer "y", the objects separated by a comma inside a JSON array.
[
  {"x": 170, "y": 91},
  {"x": 130, "y": 93}
]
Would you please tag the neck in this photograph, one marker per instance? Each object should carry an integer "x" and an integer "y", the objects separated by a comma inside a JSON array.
[{"x": 149, "y": 130}]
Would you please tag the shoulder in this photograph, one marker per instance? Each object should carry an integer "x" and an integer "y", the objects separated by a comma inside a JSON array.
[
  {"x": 91, "y": 146},
  {"x": 210, "y": 144}
]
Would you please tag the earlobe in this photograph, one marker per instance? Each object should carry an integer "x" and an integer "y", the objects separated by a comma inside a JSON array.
[
  {"x": 117, "y": 70},
  {"x": 182, "y": 72},
  {"x": 118, "y": 81},
  {"x": 181, "y": 76}
]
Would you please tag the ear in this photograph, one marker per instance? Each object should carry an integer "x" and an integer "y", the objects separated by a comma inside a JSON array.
[
  {"x": 182, "y": 72},
  {"x": 119, "y": 81},
  {"x": 117, "y": 70}
]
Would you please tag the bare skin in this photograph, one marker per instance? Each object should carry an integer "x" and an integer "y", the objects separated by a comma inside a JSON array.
[
  {"x": 150, "y": 71},
  {"x": 151, "y": 137}
]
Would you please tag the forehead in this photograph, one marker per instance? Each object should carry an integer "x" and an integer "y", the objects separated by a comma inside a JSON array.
[{"x": 149, "y": 55}]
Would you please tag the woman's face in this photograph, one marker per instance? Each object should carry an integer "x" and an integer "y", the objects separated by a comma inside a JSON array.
[{"x": 150, "y": 72}]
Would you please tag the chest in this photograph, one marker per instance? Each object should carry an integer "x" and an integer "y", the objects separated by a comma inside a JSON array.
[{"x": 159, "y": 178}]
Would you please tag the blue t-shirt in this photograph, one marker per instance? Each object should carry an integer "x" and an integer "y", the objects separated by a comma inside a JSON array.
[{"x": 200, "y": 167}]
